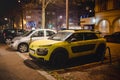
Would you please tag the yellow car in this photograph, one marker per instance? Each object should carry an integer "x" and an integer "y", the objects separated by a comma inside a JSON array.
[{"x": 67, "y": 44}]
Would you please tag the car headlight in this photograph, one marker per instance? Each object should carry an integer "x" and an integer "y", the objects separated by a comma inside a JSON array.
[
  {"x": 42, "y": 51},
  {"x": 15, "y": 41}
]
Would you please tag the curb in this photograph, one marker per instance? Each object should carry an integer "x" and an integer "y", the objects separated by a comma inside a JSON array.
[{"x": 43, "y": 73}]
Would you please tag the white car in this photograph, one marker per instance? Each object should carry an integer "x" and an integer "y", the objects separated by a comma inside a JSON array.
[{"x": 21, "y": 43}]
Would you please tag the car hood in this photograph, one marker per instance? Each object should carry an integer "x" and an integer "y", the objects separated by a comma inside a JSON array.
[
  {"x": 43, "y": 42},
  {"x": 18, "y": 38}
]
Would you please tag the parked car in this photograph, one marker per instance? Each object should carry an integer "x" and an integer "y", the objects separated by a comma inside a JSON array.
[
  {"x": 9, "y": 34},
  {"x": 67, "y": 44},
  {"x": 115, "y": 37},
  {"x": 21, "y": 43},
  {"x": 1, "y": 37}
]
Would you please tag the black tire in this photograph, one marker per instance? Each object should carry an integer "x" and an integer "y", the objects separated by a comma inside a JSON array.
[
  {"x": 100, "y": 52},
  {"x": 8, "y": 40},
  {"x": 58, "y": 59},
  {"x": 23, "y": 47}
]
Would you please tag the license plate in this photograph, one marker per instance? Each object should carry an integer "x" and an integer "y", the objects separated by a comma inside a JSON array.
[{"x": 31, "y": 51}]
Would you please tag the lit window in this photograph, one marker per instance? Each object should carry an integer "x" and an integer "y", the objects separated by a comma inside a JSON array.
[
  {"x": 28, "y": 17},
  {"x": 104, "y": 26}
]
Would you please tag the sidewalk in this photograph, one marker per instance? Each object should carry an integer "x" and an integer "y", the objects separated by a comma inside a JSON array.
[{"x": 103, "y": 72}]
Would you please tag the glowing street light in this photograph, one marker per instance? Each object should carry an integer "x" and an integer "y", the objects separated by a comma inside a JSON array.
[
  {"x": 60, "y": 16},
  {"x": 19, "y": 1},
  {"x": 5, "y": 19}
]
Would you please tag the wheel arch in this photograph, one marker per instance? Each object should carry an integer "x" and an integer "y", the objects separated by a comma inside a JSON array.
[
  {"x": 63, "y": 50},
  {"x": 58, "y": 57},
  {"x": 101, "y": 45},
  {"x": 100, "y": 51}
]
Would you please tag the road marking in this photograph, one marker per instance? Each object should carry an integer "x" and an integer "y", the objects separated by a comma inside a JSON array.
[{"x": 43, "y": 73}]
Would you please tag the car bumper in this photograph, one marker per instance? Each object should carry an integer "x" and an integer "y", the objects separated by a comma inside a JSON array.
[
  {"x": 40, "y": 59},
  {"x": 13, "y": 46}
]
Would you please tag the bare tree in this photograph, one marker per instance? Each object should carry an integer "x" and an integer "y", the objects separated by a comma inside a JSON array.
[{"x": 44, "y": 5}]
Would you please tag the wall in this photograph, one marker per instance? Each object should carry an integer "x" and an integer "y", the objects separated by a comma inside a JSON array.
[{"x": 111, "y": 16}]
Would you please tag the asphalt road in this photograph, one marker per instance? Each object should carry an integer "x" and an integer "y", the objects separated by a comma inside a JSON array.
[
  {"x": 19, "y": 66},
  {"x": 12, "y": 67}
]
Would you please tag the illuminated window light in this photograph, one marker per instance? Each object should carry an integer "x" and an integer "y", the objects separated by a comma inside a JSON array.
[
  {"x": 6, "y": 19},
  {"x": 104, "y": 23},
  {"x": 28, "y": 17}
]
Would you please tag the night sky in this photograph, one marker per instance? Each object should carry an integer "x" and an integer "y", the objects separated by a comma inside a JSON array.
[{"x": 6, "y": 6}]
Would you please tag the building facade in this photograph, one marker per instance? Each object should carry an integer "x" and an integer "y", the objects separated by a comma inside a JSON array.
[
  {"x": 32, "y": 19},
  {"x": 107, "y": 16},
  {"x": 55, "y": 17}
]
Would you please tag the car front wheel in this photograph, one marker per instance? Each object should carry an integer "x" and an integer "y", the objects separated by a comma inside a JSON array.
[
  {"x": 23, "y": 48},
  {"x": 7, "y": 40},
  {"x": 58, "y": 59}
]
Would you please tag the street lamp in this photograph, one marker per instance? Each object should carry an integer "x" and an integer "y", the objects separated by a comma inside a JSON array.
[
  {"x": 67, "y": 16},
  {"x": 21, "y": 7}
]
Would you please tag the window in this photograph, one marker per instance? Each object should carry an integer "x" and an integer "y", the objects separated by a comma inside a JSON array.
[
  {"x": 38, "y": 34},
  {"x": 76, "y": 37},
  {"x": 117, "y": 25},
  {"x": 35, "y": 34},
  {"x": 89, "y": 36},
  {"x": 49, "y": 33},
  {"x": 104, "y": 26},
  {"x": 116, "y": 4},
  {"x": 103, "y": 5}
]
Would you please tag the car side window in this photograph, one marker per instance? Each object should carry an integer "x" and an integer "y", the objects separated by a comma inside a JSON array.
[
  {"x": 35, "y": 34},
  {"x": 49, "y": 33},
  {"x": 40, "y": 33},
  {"x": 89, "y": 36},
  {"x": 76, "y": 37}
]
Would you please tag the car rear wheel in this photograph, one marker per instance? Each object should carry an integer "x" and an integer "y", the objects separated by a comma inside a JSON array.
[
  {"x": 23, "y": 48},
  {"x": 100, "y": 52}
]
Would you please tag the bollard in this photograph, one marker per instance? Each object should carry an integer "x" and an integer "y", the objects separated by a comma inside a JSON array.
[
  {"x": 103, "y": 55},
  {"x": 109, "y": 55}
]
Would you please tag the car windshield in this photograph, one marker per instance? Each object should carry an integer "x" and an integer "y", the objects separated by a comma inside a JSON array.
[
  {"x": 28, "y": 33},
  {"x": 60, "y": 36}
]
